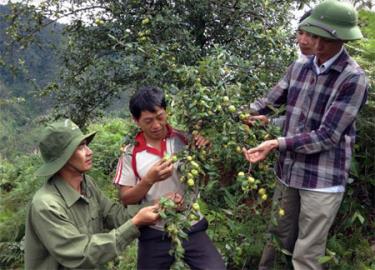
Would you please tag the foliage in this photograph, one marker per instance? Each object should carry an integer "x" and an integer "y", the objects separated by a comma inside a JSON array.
[{"x": 109, "y": 51}]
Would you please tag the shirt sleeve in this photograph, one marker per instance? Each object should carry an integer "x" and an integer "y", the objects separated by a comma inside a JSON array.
[
  {"x": 338, "y": 117},
  {"x": 125, "y": 175},
  {"x": 275, "y": 97},
  {"x": 69, "y": 246}
]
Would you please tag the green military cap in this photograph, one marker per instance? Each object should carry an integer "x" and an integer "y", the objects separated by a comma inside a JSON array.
[
  {"x": 59, "y": 141},
  {"x": 334, "y": 20}
]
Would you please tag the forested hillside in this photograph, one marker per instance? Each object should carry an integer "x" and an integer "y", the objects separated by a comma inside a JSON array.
[{"x": 24, "y": 72}]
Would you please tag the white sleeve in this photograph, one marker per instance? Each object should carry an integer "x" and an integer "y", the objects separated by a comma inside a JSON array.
[{"x": 125, "y": 175}]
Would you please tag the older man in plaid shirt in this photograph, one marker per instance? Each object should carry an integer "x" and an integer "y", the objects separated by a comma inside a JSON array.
[{"x": 323, "y": 96}]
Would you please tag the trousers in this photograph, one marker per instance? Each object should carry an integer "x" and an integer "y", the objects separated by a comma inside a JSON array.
[{"x": 303, "y": 230}]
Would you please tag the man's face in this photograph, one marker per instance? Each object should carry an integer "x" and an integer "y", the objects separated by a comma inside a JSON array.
[
  {"x": 305, "y": 42},
  {"x": 81, "y": 160},
  {"x": 326, "y": 48},
  {"x": 153, "y": 124}
]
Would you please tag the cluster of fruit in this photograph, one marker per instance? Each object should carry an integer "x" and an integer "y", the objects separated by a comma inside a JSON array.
[{"x": 248, "y": 182}]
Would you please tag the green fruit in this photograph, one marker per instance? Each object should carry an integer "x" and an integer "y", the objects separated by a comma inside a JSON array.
[
  {"x": 241, "y": 174},
  {"x": 195, "y": 206},
  {"x": 166, "y": 157},
  {"x": 99, "y": 21},
  {"x": 251, "y": 180},
  {"x": 194, "y": 172},
  {"x": 226, "y": 99},
  {"x": 261, "y": 191},
  {"x": 193, "y": 217},
  {"x": 190, "y": 182},
  {"x": 145, "y": 21},
  {"x": 264, "y": 197},
  {"x": 231, "y": 108},
  {"x": 190, "y": 158},
  {"x": 194, "y": 164}
]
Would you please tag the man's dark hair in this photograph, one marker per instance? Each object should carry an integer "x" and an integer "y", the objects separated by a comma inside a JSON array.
[
  {"x": 147, "y": 98},
  {"x": 304, "y": 16}
]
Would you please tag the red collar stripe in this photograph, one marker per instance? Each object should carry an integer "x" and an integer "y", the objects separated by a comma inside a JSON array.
[{"x": 141, "y": 145}]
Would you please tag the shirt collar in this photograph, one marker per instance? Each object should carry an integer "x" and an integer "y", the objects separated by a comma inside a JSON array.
[
  {"x": 68, "y": 193},
  {"x": 141, "y": 143},
  {"x": 327, "y": 64}
]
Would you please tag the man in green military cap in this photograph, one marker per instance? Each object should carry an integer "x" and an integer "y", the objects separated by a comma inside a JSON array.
[
  {"x": 70, "y": 223},
  {"x": 323, "y": 97}
]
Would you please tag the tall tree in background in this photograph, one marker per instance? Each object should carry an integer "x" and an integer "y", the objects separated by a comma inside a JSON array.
[{"x": 113, "y": 46}]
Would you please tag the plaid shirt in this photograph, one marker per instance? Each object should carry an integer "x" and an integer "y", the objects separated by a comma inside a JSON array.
[{"x": 319, "y": 129}]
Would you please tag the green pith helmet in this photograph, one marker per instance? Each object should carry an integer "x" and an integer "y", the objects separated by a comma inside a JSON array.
[
  {"x": 334, "y": 20},
  {"x": 59, "y": 141}
]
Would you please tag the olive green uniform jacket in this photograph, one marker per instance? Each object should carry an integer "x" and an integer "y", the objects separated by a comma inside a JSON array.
[{"x": 67, "y": 230}]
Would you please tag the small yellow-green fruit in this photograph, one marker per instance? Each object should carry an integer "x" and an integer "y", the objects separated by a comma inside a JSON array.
[
  {"x": 174, "y": 158},
  {"x": 99, "y": 21},
  {"x": 145, "y": 21},
  {"x": 242, "y": 116},
  {"x": 238, "y": 149},
  {"x": 267, "y": 136},
  {"x": 251, "y": 180},
  {"x": 190, "y": 158},
  {"x": 194, "y": 164},
  {"x": 281, "y": 212},
  {"x": 241, "y": 174},
  {"x": 190, "y": 175},
  {"x": 231, "y": 108},
  {"x": 195, "y": 206},
  {"x": 261, "y": 191},
  {"x": 194, "y": 172},
  {"x": 193, "y": 217},
  {"x": 166, "y": 157},
  {"x": 264, "y": 197},
  {"x": 226, "y": 99},
  {"x": 190, "y": 182}
]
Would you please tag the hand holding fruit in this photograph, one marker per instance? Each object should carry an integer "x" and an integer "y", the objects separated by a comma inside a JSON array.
[
  {"x": 177, "y": 198},
  {"x": 160, "y": 171},
  {"x": 259, "y": 153},
  {"x": 146, "y": 216},
  {"x": 250, "y": 121}
]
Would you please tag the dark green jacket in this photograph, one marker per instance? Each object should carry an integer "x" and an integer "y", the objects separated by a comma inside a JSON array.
[{"x": 66, "y": 230}]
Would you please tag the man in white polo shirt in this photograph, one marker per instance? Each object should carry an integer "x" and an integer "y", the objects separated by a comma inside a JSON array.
[{"x": 143, "y": 175}]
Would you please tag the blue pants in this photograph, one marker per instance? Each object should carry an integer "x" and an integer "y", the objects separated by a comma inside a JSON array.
[{"x": 200, "y": 253}]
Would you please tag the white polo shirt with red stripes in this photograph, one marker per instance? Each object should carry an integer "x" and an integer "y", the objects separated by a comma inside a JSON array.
[{"x": 138, "y": 159}]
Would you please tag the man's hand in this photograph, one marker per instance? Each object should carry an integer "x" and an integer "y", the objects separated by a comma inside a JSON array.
[
  {"x": 160, "y": 171},
  {"x": 177, "y": 198},
  {"x": 201, "y": 141},
  {"x": 259, "y": 153},
  {"x": 146, "y": 216},
  {"x": 250, "y": 121}
]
